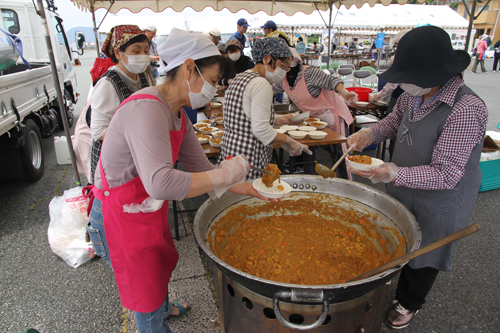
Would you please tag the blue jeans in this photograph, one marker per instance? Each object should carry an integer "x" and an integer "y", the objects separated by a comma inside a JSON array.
[
  {"x": 154, "y": 322},
  {"x": 96, "y": 232},
  {"x": 149, "y": 322}
]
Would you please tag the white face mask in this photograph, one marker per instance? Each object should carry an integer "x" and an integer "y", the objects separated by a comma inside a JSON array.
[
  {"x": 198, "y": 100},
  {"x": 136, "y": 63},
  {"x": 415, "y": 90},
  {"x": 235, "y": 56},
  {"x": 277, "y": 76}
]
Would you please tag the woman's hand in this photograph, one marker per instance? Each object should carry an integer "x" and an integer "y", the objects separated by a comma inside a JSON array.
[
  {"x": 349, "y": 96},
  {"x": 283, "y": 119},
  {"x": 295, "y": 148},
  {"x": 360, "y": 139},
  {"x": 248, "y": 189},
  {"x": 384, "y": 173}
]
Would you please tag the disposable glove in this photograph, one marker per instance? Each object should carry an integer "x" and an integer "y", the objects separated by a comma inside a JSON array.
[
  {"x": 282, "y": 119},
  {"x": 385, "y": 173},
  {"x": 350, "y": 97},
  {"x": 228, "y": 173},
  {"x": 374, "y": 97},
  {"x": 361, "y": 139},
  {"x": 295, "y": 148}
]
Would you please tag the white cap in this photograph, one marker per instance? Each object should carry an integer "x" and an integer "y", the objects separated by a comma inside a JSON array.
[
  {"x": 151, "y": 27},
  {"x": 181, "y": 45},
  {"x": 484, "y": 37},
  {"x": 215, "y": 32}
]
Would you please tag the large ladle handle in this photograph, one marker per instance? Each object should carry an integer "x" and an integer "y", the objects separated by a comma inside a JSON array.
[
  {"x": 340, "y": 160},
  {"x": 417, "y": 253}
]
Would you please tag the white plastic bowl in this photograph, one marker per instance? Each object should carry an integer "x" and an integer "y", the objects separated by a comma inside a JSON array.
[
  {"x": 297, "y": 134},
  {"x": 364, "y": 167},
  {"x": 217, "y": 134},
  {"x": 216, "y": 145},
  {"x": 198, "y": 126},
  {"x": 306, "y": 128},
  {"x": 289, "y": 128},
  {"x": 317, "y": 135},
  {"x": 210, "y": 130},
  {"x": 203, "y": 141},
  {"x": 205, "y": 121},
  {"x": 321, "y": 124},
  {"x": 300, "y": 117},
  {"x": 362, "y": 104},
  {"x": 219, "y": 121},
  {"x": 310, "y": 120},
  {"x": 273, "y": 192},
  {"x": 281, "y": 130},
  {"x": 216, "y": 105}
]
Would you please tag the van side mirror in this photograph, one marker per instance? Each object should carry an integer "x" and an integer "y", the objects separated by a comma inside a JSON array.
[{"x": 80, "y": 40}]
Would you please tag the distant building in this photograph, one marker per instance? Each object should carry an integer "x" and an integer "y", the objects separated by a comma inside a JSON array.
[{"x": 488, "y": 22}]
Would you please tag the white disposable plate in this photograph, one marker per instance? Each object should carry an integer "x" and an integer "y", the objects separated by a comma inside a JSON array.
[
  {"x": 362, "y": 104},
  {"x": 289, "y": 127},
  {"x": 219, "y": 121},
  {"x": 300, "y": 117},
  {"x": 217, "y": 134},
  {"x": 317, "y": 135},
  {"x": 215, "y": 105},
  {"x": 198, "y": 126},
  {"x": 210, "y": 130},
  {"x": 273, "y": 192},
  {"x": 380, "y": 103},
  {"x": 203, "y": 141},
  {"x": 306, "y": 128},
  {"x": 217, "y": 145},
  {"x": 297, "y": 134},
  {"x": 365, "y": 167},
  {"x": 281, "y": 130},
  {"x": 323, "y": 124}
]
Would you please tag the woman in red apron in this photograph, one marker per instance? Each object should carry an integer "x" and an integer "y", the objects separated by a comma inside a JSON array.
[
  {"x": 135, "y": 176},
  {"x": 313, "y": 90}
]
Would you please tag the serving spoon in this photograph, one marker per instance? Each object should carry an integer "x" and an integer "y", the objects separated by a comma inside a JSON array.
[{"x": 325, "y": 171}]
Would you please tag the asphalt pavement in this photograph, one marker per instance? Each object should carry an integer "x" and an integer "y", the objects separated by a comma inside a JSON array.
[{"x": 39, "y": 290}]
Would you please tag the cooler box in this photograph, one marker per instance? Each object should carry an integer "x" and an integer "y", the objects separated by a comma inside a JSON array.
[{"x": 490, "y": 166}]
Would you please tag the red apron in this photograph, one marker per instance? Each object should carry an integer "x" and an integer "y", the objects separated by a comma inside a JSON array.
[
  {"x": 327, "y": 100},
  {"x": 141, "y": 247}
]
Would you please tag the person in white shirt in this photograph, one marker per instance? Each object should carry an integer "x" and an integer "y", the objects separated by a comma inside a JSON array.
[{"x": 128, "y": 48}]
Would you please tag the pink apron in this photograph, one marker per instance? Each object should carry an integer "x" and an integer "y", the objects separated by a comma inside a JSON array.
[
  {"x": 327, "y": 100},
  {"x": 141, "y": 247}
]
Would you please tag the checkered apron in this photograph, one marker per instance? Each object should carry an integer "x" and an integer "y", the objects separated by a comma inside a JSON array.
[
  {"x": 123, "y": 91},
  {"x": 238, "y": 137}
]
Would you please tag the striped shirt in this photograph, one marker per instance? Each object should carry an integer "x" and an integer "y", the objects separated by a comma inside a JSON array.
[
  {"x": 316, "y": 80},
  {"x": 464, "y": 129}
]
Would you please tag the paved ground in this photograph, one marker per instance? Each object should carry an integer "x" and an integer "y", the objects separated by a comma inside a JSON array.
[{"x": 39, "y": 290}]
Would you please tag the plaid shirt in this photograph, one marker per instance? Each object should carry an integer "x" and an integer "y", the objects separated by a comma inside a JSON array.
[{"x": 463, "y": 130}]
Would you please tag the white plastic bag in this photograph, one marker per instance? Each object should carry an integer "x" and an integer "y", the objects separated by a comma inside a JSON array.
[{"x": 67, "y": 228}]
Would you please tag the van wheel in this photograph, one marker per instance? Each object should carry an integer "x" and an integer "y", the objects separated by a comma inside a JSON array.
[{"x": 32, "y": 156}]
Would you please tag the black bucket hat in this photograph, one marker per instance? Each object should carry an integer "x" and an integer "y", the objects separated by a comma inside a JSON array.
[{"x": 425, "y": 58}]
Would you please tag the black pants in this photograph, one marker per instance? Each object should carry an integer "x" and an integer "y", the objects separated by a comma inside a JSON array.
[
  {"x": 495, "y": 62},
  {"x": 414, "y": 285}
]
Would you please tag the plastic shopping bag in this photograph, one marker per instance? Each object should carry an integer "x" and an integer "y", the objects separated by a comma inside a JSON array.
[{"x": 68, "y": 221}]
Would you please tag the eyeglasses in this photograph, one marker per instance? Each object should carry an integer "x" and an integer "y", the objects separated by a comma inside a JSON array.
[{"x": 286, "y": 68}]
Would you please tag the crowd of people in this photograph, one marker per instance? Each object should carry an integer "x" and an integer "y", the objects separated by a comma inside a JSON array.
[{"x": 140, "y": 130}]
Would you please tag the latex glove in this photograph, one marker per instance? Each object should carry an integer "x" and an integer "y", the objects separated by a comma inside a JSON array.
[
  {"x": 385, "y": 173},
  {"x": 374, "y": 97},
  {"x": 350, "y": 97},
  {"x": 282, "y": 119},
  {"x": 295, "y": 148},
  {"x": 361, "y": 139},
  {"x": 228, "y": 173}
]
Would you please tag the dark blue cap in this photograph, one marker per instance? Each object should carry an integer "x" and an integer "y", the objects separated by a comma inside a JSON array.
[
  {"x": 269, "y": 25},
  {"x": 243, "y": 22}
]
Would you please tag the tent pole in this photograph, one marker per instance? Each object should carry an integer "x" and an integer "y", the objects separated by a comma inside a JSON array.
[
  {"x": 329, "y": 37},
  {"x": 471, "y": 22},
  {"x": 57, "y": 86},
  {"x": 96, "y": 33}
]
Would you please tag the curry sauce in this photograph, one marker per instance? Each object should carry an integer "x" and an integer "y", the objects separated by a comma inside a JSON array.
[{"x": 305, "y": 241}]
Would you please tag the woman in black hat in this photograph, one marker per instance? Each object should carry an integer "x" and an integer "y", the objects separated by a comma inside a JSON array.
[{"x": 439, "y": 124}]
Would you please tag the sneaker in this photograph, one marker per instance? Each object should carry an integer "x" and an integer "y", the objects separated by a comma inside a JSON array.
[
  {"x": 399, "y": 317},
  {"x": 484, "y": 72},
  {"x": 493, "y": 71},
  {"x": 474, "y": 72}
]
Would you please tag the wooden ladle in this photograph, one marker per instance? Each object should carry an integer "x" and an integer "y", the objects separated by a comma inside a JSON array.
[
  {"x": 417, "y": 253},
  {"x": 325, "y": 171}
]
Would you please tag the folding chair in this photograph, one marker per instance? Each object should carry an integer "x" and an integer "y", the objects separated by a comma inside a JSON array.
[
  {"x": 373, "y": 72},
  {"x": 358, "y": 76}
]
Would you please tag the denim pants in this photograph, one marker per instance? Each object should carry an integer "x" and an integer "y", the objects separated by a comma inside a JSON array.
[
  {"x": 149, "y": 322},
  {"x": 96, "y": 232},
  {"x": 154, "y": 322}
]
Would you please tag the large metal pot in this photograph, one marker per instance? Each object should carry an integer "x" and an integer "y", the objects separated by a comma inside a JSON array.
[{"x": 391, "y": 213}]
